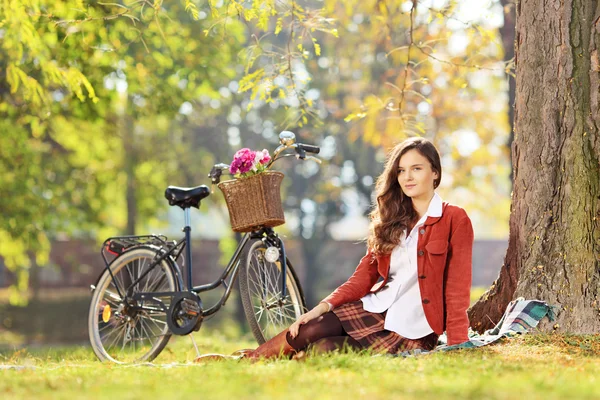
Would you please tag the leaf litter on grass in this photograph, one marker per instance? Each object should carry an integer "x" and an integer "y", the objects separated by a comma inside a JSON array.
[{"x": 537, "y": 366}]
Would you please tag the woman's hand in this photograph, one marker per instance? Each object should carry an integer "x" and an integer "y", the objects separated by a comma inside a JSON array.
[{"x": 316, "y": 312}]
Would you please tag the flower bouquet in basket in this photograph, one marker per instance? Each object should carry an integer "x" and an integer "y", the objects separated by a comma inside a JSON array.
[
  {"x": 253, "y": 198},
  {"x": 247, "y": 163}
]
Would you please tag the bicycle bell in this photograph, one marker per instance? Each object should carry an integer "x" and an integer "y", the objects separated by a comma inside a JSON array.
[
  {"x": 287, "y": 138},
  {"x": 272, "y": 254}
]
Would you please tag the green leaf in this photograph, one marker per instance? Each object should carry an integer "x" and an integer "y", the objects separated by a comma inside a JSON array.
[
  {"x": 278, "y": 25},
  {"x": 191, "y": 8}
]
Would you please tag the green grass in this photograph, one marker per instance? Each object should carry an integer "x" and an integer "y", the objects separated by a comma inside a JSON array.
[{"x": 528, "y": 367}]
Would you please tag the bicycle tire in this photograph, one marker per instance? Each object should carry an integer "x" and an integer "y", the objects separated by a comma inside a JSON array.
[
  {"x": 153, "y": 324},
  {"x": 256, "y": 304}
]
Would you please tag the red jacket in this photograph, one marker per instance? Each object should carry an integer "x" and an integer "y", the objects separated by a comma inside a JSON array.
[{"x": 444, "y": 254}]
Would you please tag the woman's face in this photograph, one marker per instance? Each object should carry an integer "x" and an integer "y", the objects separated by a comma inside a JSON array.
[{"x": 415, "y": 175}]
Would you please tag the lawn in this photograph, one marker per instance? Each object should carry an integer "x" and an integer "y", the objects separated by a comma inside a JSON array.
[{"x": 528, "y": 367}]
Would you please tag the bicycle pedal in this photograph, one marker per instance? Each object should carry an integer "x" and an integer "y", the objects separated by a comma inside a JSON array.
[{"x": 198, "y": 324}]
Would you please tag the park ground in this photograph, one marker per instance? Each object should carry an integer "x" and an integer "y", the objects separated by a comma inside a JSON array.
[{"x": 537, "y": 366}]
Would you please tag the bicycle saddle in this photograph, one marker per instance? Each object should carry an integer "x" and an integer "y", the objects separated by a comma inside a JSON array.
[{"x": 186, "y": 197}]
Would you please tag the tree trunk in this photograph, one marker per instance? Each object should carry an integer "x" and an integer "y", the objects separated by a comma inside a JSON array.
[
  {"x": 130, "y": 163},
  {"x": 310, "y": 255},
  {"x": 554, "y": 244},
  {"x": 507, "y": 32},
  {"x": 34, "y": 278}
]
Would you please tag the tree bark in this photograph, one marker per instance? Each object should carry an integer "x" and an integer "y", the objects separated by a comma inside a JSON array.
[
  {"x": 554, "y": 243},
  {"x": 507, "y": 33}
]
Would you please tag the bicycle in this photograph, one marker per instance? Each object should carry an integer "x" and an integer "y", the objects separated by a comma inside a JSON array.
[{"x": 139, "y": 300}]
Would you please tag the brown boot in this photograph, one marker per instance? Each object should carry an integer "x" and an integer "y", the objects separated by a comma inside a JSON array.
[
  {"x": 277, "y": 346},
  {"x": 242, "y": 353},
  {"x": 274, "y": 347},
  {"x": 236, "y": 355},
  {"x": 216, "y": 357}
]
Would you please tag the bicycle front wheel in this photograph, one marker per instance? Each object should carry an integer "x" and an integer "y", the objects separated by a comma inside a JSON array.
[
  {"x": 129, "y": 332},
  {"x": 260, "y": 289}
]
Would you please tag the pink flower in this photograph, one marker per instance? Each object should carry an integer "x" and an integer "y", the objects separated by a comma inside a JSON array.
[
  {"x": 243, "y": 161},
  {"x": 265, "y": 156},
  {"x": 234, "y": 167},
  {"x": 246, "y": 160}
]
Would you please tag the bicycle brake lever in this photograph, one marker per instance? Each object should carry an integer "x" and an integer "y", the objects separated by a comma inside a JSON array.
[
  {"x": 301, "y": 153},
  {"x": 317, "y": 160},
  {"x": 215, "y": 172}
]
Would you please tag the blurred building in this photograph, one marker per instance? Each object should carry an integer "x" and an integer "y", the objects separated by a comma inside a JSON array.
[{"x": 75, "y": 263}]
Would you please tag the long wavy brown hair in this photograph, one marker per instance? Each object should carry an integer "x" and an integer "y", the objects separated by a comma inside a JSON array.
[{"x": 393, "y": 212}]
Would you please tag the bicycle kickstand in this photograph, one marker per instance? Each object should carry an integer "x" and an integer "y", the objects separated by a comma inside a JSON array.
[{"x": 195, "y": 346}]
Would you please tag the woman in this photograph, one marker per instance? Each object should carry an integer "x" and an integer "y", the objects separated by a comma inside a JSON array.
[{"x": 419, "y": 249}]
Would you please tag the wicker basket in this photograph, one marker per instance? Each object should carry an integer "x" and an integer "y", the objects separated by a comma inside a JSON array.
[{"x": 254, "y": 202}]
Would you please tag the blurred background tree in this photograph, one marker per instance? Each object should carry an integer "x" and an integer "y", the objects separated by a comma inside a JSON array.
[
  {"x": 88, "y": 109},
  {"x": 105, "y": 104}
]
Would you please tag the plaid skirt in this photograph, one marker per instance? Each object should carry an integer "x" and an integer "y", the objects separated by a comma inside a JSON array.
[{"x": 367, "y": 329}]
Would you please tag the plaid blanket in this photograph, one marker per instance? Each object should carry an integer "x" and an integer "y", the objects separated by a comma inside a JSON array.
[{"x": 520, "y": 317}]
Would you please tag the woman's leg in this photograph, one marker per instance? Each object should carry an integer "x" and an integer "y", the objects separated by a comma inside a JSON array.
[
  {"x": 334, "y": 343},
  {"x": 327, "y": 325}
]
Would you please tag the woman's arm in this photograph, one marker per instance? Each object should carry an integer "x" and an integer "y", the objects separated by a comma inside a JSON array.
[
  {"x": 316, "y": 312},
  {"x": 457, "y": 291},
  {"x": 359, "y": 284}
]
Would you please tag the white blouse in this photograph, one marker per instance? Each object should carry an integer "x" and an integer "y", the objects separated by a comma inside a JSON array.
[{"x": 401, "y": 296}]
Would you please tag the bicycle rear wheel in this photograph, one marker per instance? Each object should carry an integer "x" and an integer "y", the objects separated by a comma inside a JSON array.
[
  {"x": 134, "y": 332},
  {"x": 260, "y": 290}
]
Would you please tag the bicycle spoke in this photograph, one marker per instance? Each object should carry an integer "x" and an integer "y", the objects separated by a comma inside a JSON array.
[
  {"x": 290, "y": 311},
  {"x": 154, "y": 320},
  {"x": 269, "y": 319},
  {"x": 161, "y": 331},
  {"x": 137, "y": 275},
  {"x": 147, "y": 278},
  {"x": 117, "y": 334},
  {"x": 157, "y": 287},
  {"x": 142, "y": 270},
  {"x": 260, "y": 314},
  {"x": 155, "y": 331},
  {"x": 146, "y": 329},
  {"x": 128, "y": 267},
  {"x": 256, "y": 285},
  {"x": 127, "y": 328},
  {"x": 119, "y": 283},
  {"x": 133, "y": 341},
  {"x": 105, "y": 327},
  {"x": 113, "y": 297},
  {"x": 144, "y": 332},
  {"x": 263, "y": 280},
  {"x": 156, "y": 280}
]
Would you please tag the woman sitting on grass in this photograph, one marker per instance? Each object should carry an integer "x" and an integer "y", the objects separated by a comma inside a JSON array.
[{"x": 419, "y": 249}]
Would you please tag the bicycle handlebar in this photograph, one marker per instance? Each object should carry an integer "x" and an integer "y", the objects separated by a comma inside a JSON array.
[
  {"x": 288, "y": 141},
  {"x": 310, "y": 148},
  {"x": 301, "y": 150}
]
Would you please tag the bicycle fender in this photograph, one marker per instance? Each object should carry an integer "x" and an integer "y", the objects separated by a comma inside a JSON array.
[{"x": 170, "y": 262}]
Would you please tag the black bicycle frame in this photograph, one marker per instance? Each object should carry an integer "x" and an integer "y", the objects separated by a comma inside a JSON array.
[{"x": 266, "y": 234}]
